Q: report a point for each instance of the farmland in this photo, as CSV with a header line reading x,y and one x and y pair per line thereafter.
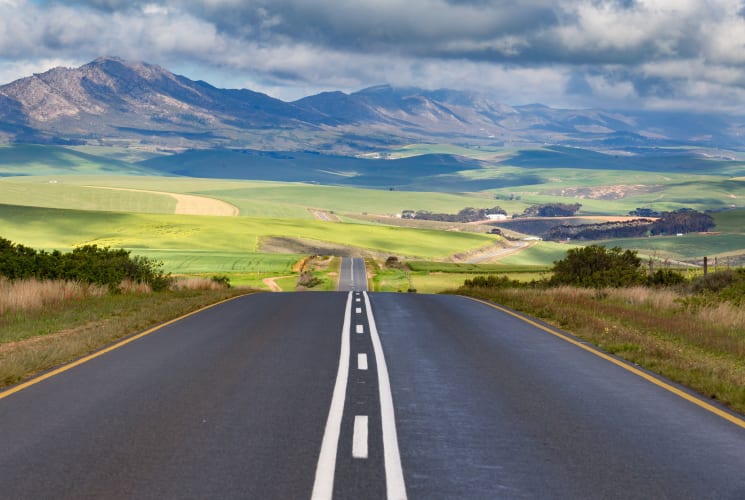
x,y
54,228
55,197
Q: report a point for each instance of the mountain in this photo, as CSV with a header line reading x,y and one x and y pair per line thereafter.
x,y
113,101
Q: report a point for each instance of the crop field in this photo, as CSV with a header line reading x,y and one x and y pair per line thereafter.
x,y
253,198
228,263
727,238
64,229
29,159
543,254
482,153
292,200
425,280
457,267
689,246
53,177
611,192
730,221
51,193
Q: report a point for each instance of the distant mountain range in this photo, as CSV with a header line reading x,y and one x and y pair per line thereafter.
x,y
115,102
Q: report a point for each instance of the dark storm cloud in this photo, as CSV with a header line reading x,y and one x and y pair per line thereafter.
x,y
501,31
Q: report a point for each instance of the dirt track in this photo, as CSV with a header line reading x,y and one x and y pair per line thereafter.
x,y
187,204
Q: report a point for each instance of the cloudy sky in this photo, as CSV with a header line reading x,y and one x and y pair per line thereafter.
x,y
569,53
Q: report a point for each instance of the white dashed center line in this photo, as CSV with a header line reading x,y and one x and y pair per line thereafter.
x,y
360,328
359,440
362,361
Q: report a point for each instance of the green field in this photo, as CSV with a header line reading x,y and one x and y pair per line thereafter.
x,y
253,198
54,193
228,263
544,253
685,247
56,178
27,159
457,267
65,229
727,239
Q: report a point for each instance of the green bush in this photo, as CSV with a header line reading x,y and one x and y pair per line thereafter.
x,y
222,280
728,285
490,281
666,277
88,263
596,266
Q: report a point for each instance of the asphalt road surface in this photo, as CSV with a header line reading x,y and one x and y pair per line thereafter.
x,y
352,275
356,395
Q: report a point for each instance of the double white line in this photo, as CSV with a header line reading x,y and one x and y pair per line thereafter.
x,y
323,487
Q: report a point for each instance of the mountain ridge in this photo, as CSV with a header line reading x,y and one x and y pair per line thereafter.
x,y
114,101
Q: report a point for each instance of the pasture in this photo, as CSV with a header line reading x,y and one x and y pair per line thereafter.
x,y
253,198
51,177
727,239
64,229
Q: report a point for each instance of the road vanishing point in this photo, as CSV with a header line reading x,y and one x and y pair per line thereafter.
x,y
357,395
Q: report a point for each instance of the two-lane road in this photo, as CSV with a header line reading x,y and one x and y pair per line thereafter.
x,y
352,275
360,395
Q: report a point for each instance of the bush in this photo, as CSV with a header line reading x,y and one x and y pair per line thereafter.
x,y
596,266
490,281
221,280
308,280
713,282
666,277
87,264
392,262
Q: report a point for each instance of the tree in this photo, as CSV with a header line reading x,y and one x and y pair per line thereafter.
x,y
552,210
596,266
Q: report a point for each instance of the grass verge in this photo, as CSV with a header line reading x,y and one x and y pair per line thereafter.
x,y
700,347
33,342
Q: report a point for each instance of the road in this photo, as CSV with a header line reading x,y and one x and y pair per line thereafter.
x,y
359,395
352,275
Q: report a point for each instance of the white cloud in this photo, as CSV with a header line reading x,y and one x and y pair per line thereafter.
x,y
616,52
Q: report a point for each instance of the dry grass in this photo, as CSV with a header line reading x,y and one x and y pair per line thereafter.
x,y
701,347
197,283
25,295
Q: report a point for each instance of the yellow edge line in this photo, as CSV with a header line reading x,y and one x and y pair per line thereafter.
x,y
85,359
664,385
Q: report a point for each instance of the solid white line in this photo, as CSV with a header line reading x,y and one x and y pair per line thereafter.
x,y
351,271
394,475
323,487
359,439
362,361
360,328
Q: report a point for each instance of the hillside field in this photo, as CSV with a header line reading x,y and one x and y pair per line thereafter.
x,y
69,183
64,229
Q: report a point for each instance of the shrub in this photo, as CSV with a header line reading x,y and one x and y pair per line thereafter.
x,y
666,277
308,280
201,283
88,264
392,262
596,266
719,286
221,280
490,281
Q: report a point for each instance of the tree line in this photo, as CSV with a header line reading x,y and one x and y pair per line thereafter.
x,y
468,214
669,223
